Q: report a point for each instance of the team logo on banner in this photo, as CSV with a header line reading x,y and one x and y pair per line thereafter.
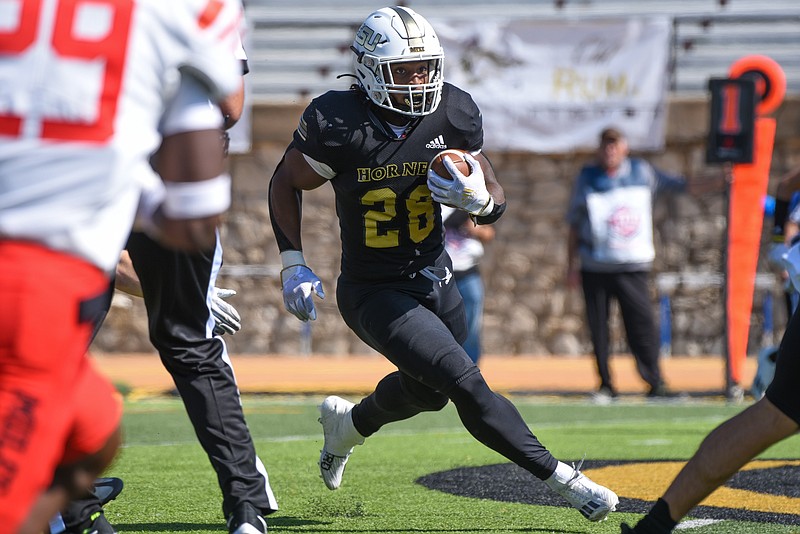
x,y
552,86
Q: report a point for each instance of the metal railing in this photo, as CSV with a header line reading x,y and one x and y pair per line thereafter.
x,y
667,284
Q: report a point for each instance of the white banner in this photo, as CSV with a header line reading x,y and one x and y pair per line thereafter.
x,y
240,133
552,86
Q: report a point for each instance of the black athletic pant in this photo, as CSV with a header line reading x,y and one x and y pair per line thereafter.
x,y
419,324
633,295
784,390
177,291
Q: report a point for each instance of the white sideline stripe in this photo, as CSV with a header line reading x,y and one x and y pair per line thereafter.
x,y
696,523
194,440
385,433
651,442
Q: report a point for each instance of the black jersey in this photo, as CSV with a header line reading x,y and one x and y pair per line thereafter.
x,y
389,224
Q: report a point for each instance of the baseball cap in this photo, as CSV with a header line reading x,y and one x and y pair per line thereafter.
x,y
611,134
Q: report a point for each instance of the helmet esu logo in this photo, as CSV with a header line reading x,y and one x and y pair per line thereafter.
x,y
368,38
388,38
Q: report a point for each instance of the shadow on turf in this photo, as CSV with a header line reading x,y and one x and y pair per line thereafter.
x,y
511,483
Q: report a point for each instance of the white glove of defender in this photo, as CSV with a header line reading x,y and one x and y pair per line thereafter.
x,y
226,318
298,283
468,193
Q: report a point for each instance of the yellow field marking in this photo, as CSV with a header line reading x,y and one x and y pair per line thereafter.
x,y
647,481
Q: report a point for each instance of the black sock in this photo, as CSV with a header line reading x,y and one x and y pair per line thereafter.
x,y
657,520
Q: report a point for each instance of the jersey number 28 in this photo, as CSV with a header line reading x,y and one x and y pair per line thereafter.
x,y
384,204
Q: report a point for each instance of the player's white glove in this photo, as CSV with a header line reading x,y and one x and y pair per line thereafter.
x,y
468,193
226,318
298,284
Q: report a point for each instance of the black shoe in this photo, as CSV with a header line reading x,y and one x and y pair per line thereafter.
x,y
85,516
245,519
661,391
626,529
107,489
98,524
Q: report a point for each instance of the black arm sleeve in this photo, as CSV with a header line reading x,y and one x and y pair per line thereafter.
x,y
495,214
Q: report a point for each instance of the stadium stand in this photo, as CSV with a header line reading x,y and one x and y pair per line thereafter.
x,y
297,49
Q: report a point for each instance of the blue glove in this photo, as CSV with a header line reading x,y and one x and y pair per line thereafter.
x,y
298,284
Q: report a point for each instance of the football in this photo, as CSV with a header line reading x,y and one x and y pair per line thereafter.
x,y
457,157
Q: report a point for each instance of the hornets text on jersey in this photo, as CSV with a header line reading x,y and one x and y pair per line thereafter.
x,y
390,226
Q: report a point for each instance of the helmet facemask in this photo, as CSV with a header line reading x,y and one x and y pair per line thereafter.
x,y
391,36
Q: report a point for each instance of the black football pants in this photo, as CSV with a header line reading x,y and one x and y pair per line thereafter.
x,y
176,288
784,390
418,325
633,295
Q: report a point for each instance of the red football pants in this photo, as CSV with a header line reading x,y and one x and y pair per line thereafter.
x,y
54,406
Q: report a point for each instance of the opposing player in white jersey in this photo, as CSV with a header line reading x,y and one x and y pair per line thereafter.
x,y
195,354
85,88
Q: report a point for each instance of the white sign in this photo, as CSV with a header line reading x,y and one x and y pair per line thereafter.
x,y
552,86
240,133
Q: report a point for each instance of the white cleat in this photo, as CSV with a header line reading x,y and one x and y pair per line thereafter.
x,y
251,529
340,438
592,500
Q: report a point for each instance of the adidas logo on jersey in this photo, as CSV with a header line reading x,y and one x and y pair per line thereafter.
x,y
437,143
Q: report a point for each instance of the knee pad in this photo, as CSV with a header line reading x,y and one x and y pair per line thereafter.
x,y
426,399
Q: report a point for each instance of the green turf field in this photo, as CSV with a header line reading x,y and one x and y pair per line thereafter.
x,y
170,486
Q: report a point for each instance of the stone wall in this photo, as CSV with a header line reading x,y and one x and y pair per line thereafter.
x,y
528,308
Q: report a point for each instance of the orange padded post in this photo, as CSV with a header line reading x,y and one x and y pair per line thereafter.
x,y
746,212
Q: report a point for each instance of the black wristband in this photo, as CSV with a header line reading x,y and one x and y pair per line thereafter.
x,y
779,219
492,216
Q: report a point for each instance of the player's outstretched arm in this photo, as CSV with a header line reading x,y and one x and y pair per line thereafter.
x,y
293,176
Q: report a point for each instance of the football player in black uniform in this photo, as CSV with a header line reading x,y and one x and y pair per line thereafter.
x,y
373,144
